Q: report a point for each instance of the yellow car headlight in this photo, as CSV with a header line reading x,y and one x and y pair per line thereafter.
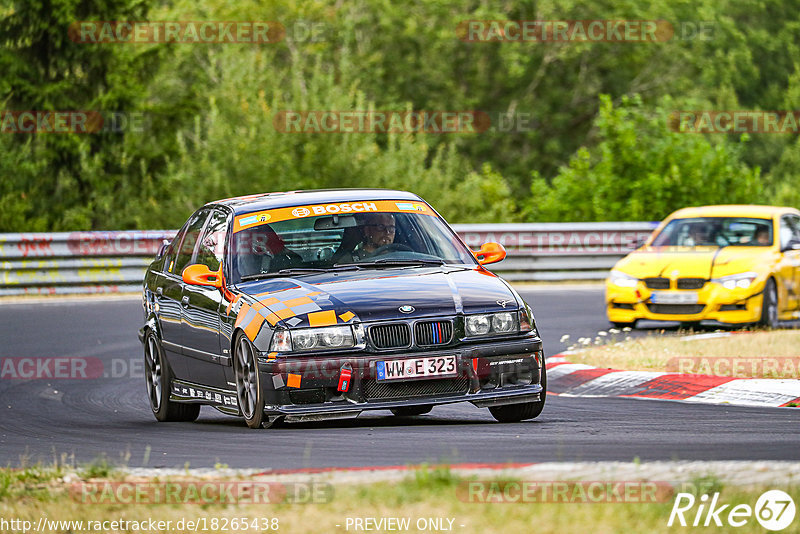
x,y
620,279
733,281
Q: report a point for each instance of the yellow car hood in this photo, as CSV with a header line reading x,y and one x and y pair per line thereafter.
x,y
686,262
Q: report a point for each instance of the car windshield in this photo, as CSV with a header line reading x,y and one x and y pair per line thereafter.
x,y
299,242
715,232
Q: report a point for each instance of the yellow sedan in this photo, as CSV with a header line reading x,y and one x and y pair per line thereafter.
x,y
730,264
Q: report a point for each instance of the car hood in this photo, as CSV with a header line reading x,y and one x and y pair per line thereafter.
x,y
378,294
699,262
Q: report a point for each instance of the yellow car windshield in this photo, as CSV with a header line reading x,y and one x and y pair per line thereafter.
x,y
716,232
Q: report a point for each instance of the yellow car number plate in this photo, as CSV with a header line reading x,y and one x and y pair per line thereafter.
x,y
665,297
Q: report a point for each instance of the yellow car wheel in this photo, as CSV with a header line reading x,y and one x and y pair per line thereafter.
x,y
769,307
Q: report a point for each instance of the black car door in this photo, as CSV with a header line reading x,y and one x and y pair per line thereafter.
x,y
170,305
200,318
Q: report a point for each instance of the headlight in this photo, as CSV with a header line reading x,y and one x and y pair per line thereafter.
x,y
741,280
492,324
621,279
336,337
503,322
303,339
478,325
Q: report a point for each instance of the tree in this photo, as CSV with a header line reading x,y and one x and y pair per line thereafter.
x,y
641,170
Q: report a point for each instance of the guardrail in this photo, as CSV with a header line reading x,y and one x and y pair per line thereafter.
x,y
114,262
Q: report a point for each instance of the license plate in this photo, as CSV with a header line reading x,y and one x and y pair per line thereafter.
x,y
416,368
684,297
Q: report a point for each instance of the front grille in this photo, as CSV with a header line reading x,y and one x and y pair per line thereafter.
x,y
374,390
390,336
676,309
433,332
691,283
657,283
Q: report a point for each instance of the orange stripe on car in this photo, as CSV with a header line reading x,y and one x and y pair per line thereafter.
x,y
285,313
322,318
242,312
252,329
299,301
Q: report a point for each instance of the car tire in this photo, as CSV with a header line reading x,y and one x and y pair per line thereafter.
x,y
769,307
248,383
620,324
409,411
513,413
158,378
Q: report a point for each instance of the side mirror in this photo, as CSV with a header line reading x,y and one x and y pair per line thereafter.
x,y
490,253
201,275
791,245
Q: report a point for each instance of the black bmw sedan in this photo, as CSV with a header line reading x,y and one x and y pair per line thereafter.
x,y
322,304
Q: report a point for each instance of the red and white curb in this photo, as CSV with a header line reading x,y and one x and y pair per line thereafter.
x,y
579,380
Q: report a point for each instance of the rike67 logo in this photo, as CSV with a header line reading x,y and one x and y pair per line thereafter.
x,y
774,510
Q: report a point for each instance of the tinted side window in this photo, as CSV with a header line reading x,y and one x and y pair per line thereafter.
x,y
169,254
189,241
212,245
788,231
794,222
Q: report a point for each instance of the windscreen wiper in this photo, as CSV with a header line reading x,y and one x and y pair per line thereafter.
x,y
386,262
299,270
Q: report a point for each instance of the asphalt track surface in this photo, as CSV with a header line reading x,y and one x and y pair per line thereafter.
x,y
82,420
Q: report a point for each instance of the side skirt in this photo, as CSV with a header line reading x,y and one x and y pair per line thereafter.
x,y
223,400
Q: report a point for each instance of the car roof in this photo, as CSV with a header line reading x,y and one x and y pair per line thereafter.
x,y
266,201
733,210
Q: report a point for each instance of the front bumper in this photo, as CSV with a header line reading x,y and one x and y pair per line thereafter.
x,y
714,302
487,374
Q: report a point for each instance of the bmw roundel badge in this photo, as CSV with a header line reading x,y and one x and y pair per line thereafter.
x,y
406,308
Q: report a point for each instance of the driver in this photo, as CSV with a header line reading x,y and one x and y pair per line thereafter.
x,y
699,234
377,231
762,236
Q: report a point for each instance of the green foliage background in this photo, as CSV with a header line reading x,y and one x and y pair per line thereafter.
x,y
599,148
